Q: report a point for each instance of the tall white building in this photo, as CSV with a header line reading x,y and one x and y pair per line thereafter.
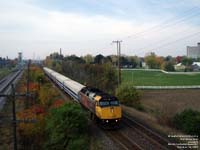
x,y
20,57
193,51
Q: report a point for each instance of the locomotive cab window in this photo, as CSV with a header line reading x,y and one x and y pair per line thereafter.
x,y
114,103
104,103
108,103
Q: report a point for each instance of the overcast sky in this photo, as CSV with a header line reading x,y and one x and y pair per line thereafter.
x,y
40,27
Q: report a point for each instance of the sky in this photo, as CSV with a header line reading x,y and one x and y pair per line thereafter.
x,y
40,27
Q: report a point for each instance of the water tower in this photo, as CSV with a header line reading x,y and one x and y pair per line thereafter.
x,y
20,58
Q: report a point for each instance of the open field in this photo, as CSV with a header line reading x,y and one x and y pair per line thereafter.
x,y
169,102
157,78
161,105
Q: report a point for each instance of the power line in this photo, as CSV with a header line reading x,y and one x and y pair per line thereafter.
x,y
191,35
165,24
172,42
168,23
189,14
169,37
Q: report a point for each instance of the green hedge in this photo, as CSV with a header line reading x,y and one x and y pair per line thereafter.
x,y
188,121
128,95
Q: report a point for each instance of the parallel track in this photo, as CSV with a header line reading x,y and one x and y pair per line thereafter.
x,y
123,140
152,137
135,136
5,83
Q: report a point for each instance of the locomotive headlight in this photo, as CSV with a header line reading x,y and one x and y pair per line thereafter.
x,y
107,121
116,120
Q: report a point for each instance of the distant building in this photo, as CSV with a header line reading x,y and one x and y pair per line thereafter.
x,y
144,65
196,66
20,57
193,51
179,67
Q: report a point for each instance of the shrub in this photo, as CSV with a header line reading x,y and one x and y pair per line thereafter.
x,y
47,94
188,121
78,143
128,95
168,66
66,127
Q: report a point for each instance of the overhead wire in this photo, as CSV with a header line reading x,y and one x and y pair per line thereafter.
x,y
167,23
189,14
166,38
171,24
170,43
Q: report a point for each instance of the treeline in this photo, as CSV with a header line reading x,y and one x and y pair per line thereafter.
x,y
98,72
151,61
7,63
125,61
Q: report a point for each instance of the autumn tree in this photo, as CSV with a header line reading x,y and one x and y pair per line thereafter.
x,y
102,76
178,59
31,130
153,61
66,128
46,95
88,58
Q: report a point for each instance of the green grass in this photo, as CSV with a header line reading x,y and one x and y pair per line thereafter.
x,y
157,78
4,72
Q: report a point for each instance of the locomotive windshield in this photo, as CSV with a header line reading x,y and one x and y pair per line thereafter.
x,y
114,103
104,103
108,103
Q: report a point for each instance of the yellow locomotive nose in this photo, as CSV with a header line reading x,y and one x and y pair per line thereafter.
x,y
113,112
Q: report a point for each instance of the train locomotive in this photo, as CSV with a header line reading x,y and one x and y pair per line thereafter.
x,y
105,109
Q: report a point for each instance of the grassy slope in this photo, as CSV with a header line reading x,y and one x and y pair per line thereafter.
x,y
156,78
3,72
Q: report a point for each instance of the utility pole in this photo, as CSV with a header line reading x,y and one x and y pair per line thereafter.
x,y
14,118
61,59
27,85
118,54
12,97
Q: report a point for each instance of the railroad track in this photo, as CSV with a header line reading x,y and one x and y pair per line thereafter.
x,y
5,83
123,140
133,135
2,80
146,138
